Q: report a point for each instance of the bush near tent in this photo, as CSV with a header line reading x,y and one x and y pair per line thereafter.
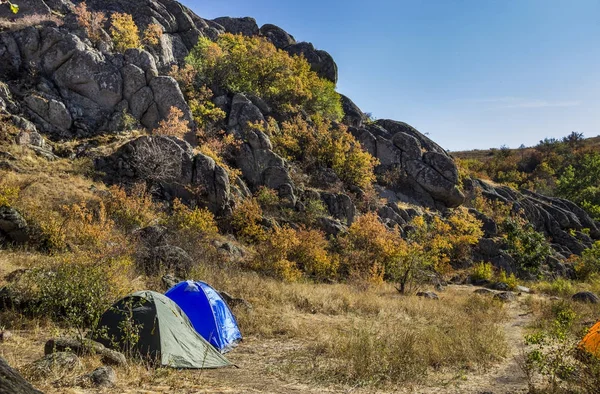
x,y
208,313
149,324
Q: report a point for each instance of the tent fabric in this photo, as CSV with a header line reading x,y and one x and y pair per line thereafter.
x,y
165,332
208,312
591,342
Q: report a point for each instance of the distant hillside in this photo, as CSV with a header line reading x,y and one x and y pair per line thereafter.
x,y
567,168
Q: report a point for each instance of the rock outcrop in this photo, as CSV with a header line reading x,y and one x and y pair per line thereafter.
x,y
12,382
559,220
425,174
170,165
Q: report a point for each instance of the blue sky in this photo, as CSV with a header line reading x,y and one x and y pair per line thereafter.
x,y
471,74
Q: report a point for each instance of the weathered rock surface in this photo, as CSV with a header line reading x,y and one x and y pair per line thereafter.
x,y
11,382
100,377
558,219
246,26
426,175
53,363
260,166
13,226
586,297
277,36
320,61
169,164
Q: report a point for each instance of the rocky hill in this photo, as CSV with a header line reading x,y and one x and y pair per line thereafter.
x,y
59,84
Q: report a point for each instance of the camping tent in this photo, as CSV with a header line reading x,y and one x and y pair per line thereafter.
x,y
208,312
164,331
591,342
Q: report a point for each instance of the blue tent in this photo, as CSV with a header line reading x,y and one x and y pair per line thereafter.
x,y
208,313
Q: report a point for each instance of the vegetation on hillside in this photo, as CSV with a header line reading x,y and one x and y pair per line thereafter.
x,y
567,168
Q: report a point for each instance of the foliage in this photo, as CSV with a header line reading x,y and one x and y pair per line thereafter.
x,y
509,280
272,255
246,220
267,198
131,210
124,32
152,34
174,125
311,255
254,65
580,182
567,167
552,350
589,263
74,292
323,144
91,21
482,271
8,195
199,221
529,248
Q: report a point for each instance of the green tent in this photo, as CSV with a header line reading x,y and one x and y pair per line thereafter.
x,y
153,326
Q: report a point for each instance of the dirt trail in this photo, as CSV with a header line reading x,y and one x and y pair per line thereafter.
x,y
506,377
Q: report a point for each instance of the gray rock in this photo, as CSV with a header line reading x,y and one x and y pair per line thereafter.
x,y
112,357
523,289
353,116
435,184
321,62
168,258
214,183
13,226
73,345
101,377
277,36
507,296
586,297
152,236
5,336
167,94
246,26
501,286
51,363
428,294
234,302
443,165
484,292
340,206
331,226
409,145
13,382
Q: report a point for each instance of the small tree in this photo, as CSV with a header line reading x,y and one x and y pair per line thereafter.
x,y
92,22
174,125
124,32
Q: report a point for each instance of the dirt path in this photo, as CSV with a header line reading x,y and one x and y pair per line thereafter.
x,y
504,378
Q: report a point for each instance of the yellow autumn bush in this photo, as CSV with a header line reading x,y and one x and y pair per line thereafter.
x,y
198,221
254,65
124,32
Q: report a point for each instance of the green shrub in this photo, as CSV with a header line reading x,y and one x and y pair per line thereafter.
x,y
529,248
589,263
254,65
482,271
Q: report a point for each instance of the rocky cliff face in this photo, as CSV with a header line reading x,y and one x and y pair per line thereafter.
x,y
55,81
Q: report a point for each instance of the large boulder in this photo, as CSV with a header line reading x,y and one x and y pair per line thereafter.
x,y
277,36
320,61
11,382
246,26
13,226
169,164
260,166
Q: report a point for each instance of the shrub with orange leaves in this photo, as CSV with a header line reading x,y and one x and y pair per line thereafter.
x,y
152,34
91,21
174,125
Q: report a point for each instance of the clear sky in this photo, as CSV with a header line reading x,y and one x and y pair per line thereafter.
x,y
471,74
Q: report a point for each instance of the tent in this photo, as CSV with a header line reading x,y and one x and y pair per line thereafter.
x,y
208,312
591,342
163,331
